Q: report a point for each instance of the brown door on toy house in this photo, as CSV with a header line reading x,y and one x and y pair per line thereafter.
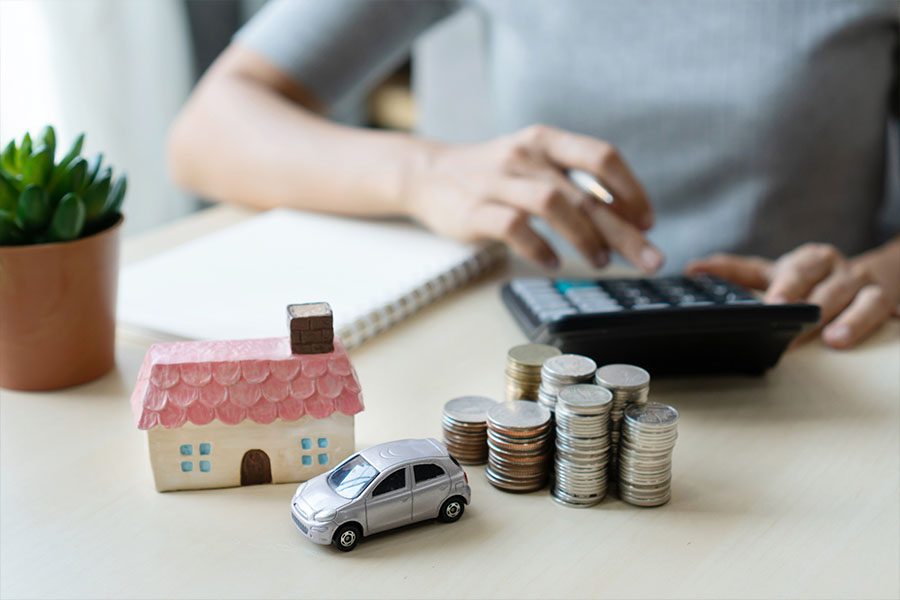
x,y
255,468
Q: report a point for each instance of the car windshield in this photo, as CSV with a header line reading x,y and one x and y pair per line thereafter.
x,y
352,477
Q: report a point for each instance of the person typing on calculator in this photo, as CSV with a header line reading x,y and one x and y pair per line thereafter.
x,y
757,134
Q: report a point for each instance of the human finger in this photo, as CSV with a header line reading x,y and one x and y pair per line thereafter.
x,y
833,295
749,271
544,199
626,239
510,225
870,309
568,150
577,198
796,273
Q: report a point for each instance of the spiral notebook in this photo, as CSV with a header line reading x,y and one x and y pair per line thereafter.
x,y
235,283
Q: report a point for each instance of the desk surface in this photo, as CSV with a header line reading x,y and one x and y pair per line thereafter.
x,y
787,485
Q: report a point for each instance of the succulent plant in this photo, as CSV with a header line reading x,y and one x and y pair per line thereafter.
x,y
42,200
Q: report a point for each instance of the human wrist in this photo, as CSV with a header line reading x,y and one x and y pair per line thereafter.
x,y
418,158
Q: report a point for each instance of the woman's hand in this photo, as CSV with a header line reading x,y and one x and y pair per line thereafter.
x,y
491,189
856,296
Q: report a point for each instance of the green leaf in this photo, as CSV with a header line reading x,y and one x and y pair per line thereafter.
x,y
37,167
94,168
8,157
33,210
24,151
68,220
14,181
71,178
95,197
48,135
10,234
9,195
116,197
73,152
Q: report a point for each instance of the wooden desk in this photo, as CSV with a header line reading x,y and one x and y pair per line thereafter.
x,y
788,485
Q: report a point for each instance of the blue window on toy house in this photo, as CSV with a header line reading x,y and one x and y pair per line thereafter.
x,y
187,466
307,444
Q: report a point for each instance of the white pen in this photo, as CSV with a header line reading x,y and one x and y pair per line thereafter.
x,y
591,185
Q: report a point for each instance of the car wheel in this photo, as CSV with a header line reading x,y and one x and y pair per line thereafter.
x,y
452,509
346,537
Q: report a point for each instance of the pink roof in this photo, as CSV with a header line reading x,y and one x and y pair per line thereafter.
x,y
231,381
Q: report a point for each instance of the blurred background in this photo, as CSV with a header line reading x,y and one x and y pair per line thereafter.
x,y
119,70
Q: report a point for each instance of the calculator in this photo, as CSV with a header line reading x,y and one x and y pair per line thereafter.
x,y
668,325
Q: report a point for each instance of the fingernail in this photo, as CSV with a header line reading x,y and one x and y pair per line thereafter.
x,y
601,259
839,334
651,259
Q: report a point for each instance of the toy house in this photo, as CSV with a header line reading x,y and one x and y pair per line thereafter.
x,y
244,412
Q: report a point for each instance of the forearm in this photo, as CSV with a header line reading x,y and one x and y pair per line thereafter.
x,y
239,141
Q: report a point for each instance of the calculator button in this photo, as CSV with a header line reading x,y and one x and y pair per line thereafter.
x,y
524,286
594,310
597,306
738,295
541,295
651,305
564,285
734,301
586,295
539,308
696,303
554,315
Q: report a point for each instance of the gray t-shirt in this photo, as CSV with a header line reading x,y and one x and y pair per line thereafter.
x,y
755,125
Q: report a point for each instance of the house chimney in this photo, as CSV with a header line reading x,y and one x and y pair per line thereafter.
x,y
312,328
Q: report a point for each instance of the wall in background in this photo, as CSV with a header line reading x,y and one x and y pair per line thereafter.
x,y
118,71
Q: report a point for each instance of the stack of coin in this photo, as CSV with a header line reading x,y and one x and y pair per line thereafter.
x,y
629,385
523,370
560,371
645,454
519,446
582,444
465,428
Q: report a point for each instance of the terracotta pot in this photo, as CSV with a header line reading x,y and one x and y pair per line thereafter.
x,y
58,311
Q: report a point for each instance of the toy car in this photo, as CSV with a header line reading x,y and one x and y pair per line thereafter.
x,y
387,486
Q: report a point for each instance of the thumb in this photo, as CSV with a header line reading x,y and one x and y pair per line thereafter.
x,y
749,271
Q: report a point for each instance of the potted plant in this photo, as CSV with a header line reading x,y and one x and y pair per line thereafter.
x,y
59,254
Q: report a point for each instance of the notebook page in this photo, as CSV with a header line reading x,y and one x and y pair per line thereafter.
x,y
235,283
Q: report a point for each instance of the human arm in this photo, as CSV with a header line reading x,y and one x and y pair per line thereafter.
x,y
251,134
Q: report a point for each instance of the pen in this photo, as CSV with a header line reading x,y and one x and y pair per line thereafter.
x,y
591,185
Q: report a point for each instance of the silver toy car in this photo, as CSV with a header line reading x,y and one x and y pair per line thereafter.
x,y
384,487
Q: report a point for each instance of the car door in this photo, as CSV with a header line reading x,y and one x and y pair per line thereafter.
x,y
389,504
431,486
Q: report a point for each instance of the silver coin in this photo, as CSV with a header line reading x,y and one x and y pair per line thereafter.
x,y
585,397
518,414
624,377
647,503
570,366
532,355
652,414
468,409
